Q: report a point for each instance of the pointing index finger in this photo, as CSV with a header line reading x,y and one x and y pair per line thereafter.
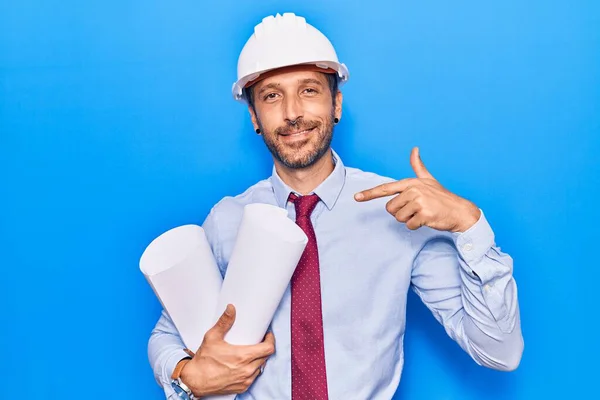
x,y
386,189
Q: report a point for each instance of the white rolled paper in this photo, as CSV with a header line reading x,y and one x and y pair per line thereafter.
x,y
266,252
180,267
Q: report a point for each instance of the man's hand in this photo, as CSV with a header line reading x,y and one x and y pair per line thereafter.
x,y
422,201
221,368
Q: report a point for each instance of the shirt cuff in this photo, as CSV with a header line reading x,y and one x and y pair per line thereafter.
x,y
474,243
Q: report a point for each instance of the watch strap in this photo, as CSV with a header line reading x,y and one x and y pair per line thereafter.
x,y
179,367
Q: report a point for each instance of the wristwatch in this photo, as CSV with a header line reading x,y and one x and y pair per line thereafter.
x,y
183,392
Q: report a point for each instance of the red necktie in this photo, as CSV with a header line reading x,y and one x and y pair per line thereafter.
x,y
309,378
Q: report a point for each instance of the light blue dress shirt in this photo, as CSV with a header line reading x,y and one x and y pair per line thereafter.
x,y
368,262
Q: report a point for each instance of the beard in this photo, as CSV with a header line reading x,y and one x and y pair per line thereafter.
x,y
304,153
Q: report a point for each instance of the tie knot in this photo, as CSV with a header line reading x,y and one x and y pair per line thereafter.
x,y
304,204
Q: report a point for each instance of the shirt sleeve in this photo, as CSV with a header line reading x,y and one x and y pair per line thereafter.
x,y
165,346
467,283
165,350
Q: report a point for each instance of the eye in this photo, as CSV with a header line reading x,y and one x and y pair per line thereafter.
x,y
270,96
310,91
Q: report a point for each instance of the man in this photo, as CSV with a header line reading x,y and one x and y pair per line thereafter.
x,y
340,325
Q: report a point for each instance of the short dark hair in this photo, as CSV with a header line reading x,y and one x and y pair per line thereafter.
x,y
332,81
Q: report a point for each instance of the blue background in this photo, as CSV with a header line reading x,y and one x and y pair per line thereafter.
x,y
117,123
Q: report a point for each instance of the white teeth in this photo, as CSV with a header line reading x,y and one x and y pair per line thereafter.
x,y
301,132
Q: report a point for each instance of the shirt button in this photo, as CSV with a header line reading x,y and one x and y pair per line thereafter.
x,y
468,247
486,288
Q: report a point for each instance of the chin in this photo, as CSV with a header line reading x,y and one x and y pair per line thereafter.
x,y
299,159
300,154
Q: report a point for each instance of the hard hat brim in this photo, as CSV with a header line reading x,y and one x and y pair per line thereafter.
x,y
290,68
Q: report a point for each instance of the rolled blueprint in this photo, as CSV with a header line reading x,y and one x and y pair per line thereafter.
x,y
266,252
180,267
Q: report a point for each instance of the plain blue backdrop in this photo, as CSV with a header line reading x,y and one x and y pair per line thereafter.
x,y
117,123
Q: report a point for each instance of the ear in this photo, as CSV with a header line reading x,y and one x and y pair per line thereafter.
x,y
338,105
253,117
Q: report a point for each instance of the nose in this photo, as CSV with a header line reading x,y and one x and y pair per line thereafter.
x,y
292,109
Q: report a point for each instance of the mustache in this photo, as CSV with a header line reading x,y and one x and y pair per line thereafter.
x,y
300,125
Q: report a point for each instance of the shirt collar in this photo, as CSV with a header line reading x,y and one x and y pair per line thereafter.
x,y
328,191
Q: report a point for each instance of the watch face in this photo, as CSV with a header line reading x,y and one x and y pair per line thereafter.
x,y
181,394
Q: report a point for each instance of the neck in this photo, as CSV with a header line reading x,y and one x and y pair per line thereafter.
x,y
305,180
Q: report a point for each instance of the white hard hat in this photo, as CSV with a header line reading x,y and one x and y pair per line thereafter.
x,y
282,41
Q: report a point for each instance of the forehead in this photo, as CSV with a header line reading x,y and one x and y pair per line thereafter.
x,y
292,78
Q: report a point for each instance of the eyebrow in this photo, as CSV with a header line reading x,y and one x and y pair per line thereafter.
x,y
268,86
311,80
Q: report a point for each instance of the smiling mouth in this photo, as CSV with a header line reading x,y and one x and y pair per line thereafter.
x,y
303,132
